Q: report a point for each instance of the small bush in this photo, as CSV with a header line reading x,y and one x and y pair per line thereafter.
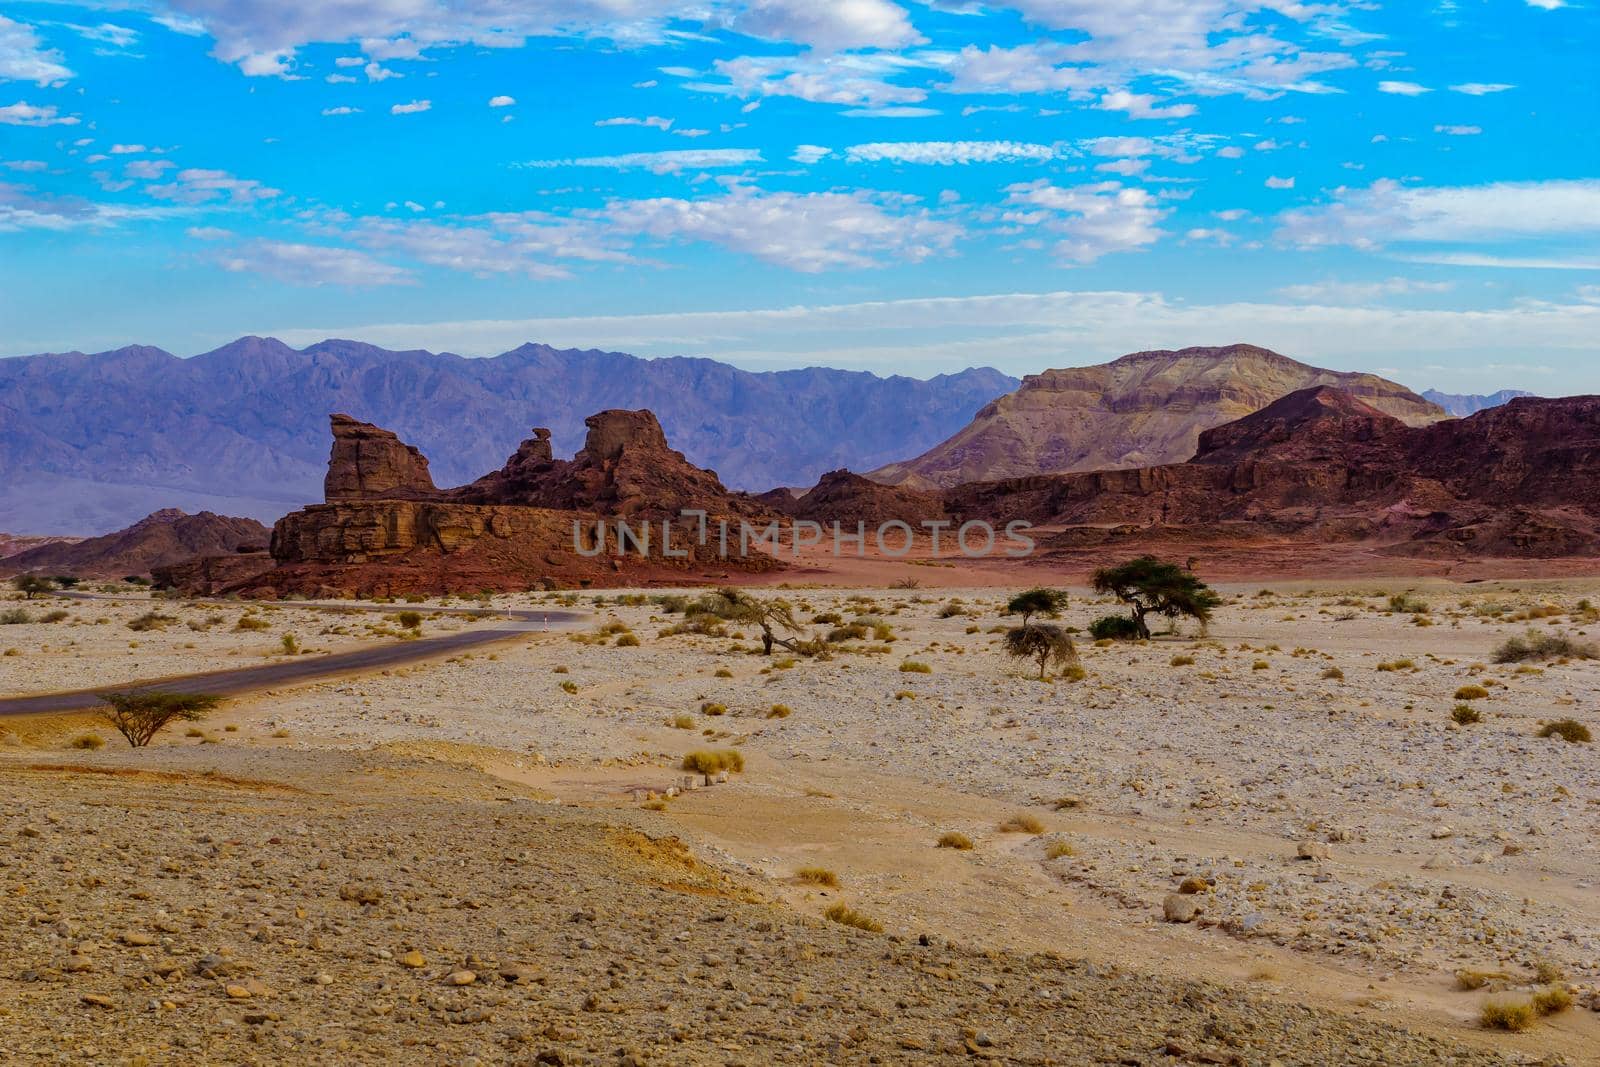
x,y
54,616
1466,715
959,842
89,741
911,666
1552,1001
1568,730
15,617
1260,665
1022,823
150,620
570,686
1471,692
411,620
1181,661
1059,849
711,761
1333,674
1537,646
779,711
1397,665
722,672
251,622
1114,628
291,644
627,641
711,707
1507,1015
817,876
682,722
847,916
1469,980
1406,604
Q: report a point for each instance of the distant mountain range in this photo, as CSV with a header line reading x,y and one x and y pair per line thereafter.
x,y
1463,404
91,443
1143,410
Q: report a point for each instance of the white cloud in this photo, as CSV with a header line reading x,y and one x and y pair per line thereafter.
x,y
147,169
1387,212
314,265
1280,183
808,154
1403,88
659,162
947,153
1547,5
24,58
1143,106
341,110
197,186
377,72
531,243
1342,293
854,79
23,113
1458,131
651,121
1125,167
502,101
1231,152
1481,88
807,232
832,25
128,149
1091,221
412,108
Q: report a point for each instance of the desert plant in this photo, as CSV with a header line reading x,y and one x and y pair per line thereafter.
x,y
959,842
141,714
411,620
627,641
1056,850
32,585
1181,661
15,617
711,707
1568,730
89,741
1044,642
1537,646
569,687
251,622
1114,628
779,711
1471,692
770,616
150,620
817,876
682,722
1406,604
1037,601
911,666
1152,586
1466,715
848,916
1552,1001
711,761
290,644
1333,674
1511,1015
1022,823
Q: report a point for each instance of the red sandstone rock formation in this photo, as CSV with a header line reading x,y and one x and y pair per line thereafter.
x,y
157,540
369,463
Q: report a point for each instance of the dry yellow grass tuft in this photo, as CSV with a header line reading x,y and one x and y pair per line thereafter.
x,y
817,876
1022,823
710,761
959,842
1514,1016
847,916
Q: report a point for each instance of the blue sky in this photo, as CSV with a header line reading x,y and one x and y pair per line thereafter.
x,y
892,185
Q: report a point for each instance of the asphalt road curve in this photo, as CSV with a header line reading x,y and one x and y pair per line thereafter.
x,y
296,670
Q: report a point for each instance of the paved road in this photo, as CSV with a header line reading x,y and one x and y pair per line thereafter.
x,y
301,669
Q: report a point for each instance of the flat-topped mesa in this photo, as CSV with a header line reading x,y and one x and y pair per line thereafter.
x,y
371,463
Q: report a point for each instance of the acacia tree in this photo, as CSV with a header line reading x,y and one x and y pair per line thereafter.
x,y
139,716
1037,601
1044,642
735,605
31,585
1152,586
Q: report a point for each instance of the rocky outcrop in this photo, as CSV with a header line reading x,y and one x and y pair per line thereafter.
x,y
369,463
848,499
1521,480
165,537
1145,409
538,522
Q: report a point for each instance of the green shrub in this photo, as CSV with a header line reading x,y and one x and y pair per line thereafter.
x,y
911,666
15,617
1568,730
1114,628
1466,715
711,761
411,620
1537,646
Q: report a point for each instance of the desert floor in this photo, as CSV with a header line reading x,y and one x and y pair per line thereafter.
x,y
505,809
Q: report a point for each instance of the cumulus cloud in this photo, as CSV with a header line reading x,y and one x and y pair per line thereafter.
x,y
1481,88
830,26
24,58
1280,183
859,80
341,110
808,154
199,186
1458,131
412,108
313,265
1332,292
806,232
23,113
1090,221
502,101
651,121
1402,88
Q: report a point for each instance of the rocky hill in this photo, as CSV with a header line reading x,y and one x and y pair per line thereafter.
x,y
157,540
91,442
1143,410
1326,466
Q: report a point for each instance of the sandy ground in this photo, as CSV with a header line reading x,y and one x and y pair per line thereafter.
x,y
78,644
1311,720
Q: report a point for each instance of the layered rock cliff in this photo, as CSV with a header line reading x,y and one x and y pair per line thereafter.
x,y
1143,410
165,537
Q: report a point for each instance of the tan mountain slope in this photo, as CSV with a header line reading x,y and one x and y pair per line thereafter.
x,y
1143,410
